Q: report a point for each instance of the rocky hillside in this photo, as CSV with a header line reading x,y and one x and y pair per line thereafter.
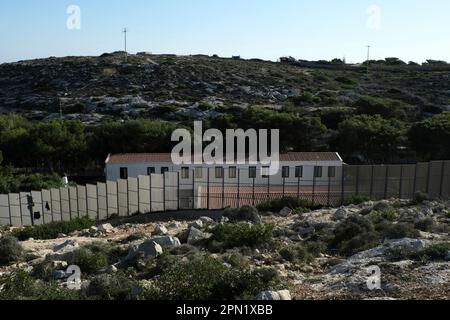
x,y
161,86
293,254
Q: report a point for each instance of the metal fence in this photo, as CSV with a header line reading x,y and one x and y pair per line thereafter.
x,y
169,191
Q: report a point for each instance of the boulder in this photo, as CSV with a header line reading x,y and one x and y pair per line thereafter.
x,y
285,212
306,232
206,220
64,251
196,236
147,249
105,228
198,224
166,241
340,214
161,230
282,295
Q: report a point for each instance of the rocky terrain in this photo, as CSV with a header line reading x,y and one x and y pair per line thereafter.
x,y
294,254
200,87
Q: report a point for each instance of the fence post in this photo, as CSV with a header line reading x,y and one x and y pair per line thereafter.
x,y
193,188
118,197
329,189
298,187
51,207
107,201
268,186
98,201
314,187
223,189
253,194
372,177
87,202
386,181
343,185
441,188
400,183
415,180
70,204
428,178
60,204
239,189
178,190
284,186
42,205
164,192
150,192
9,209
207,188
357,180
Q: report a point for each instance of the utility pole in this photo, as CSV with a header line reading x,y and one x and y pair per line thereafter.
x,y
125,36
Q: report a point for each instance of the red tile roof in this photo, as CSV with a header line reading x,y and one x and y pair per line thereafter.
x,y
166,157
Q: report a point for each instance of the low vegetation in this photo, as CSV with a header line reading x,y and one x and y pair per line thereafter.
x,y
10,250
53,229
276,205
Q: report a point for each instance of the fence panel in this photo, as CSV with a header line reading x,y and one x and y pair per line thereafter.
x,y
144,194
408,181
102,201
436,173
25,211
112,198
65,204
92,201
133,195
4,210
421,177
157,192
82,201
445,186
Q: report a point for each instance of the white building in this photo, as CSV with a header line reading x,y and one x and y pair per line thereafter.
x,y
296,167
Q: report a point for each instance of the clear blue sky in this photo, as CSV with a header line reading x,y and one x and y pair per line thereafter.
x,y
308,29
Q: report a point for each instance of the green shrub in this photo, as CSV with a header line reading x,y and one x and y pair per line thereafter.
x,y
353,235
276,205
110,287
385,215
420,197
51,230
89,262
10,250
400,230
245,213
425,225
243,234
436,252
356,199
288,254
20,285
303,253
205,278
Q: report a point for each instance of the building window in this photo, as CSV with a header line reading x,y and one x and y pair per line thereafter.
x,y
318,172
185,173
331,172
123,173
219,173
299,172
265,172
232,172
252,172
199,173
286,172
164,170
151,170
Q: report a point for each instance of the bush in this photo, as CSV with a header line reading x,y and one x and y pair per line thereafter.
x,y
10,250
110,287
242,234
245,213
276,205
426,225
353,235
53,229
19,285
89,262
356,199
420,197
400,231
205,278
436,252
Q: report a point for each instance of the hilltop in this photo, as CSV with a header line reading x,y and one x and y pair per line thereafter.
x,y
169,86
